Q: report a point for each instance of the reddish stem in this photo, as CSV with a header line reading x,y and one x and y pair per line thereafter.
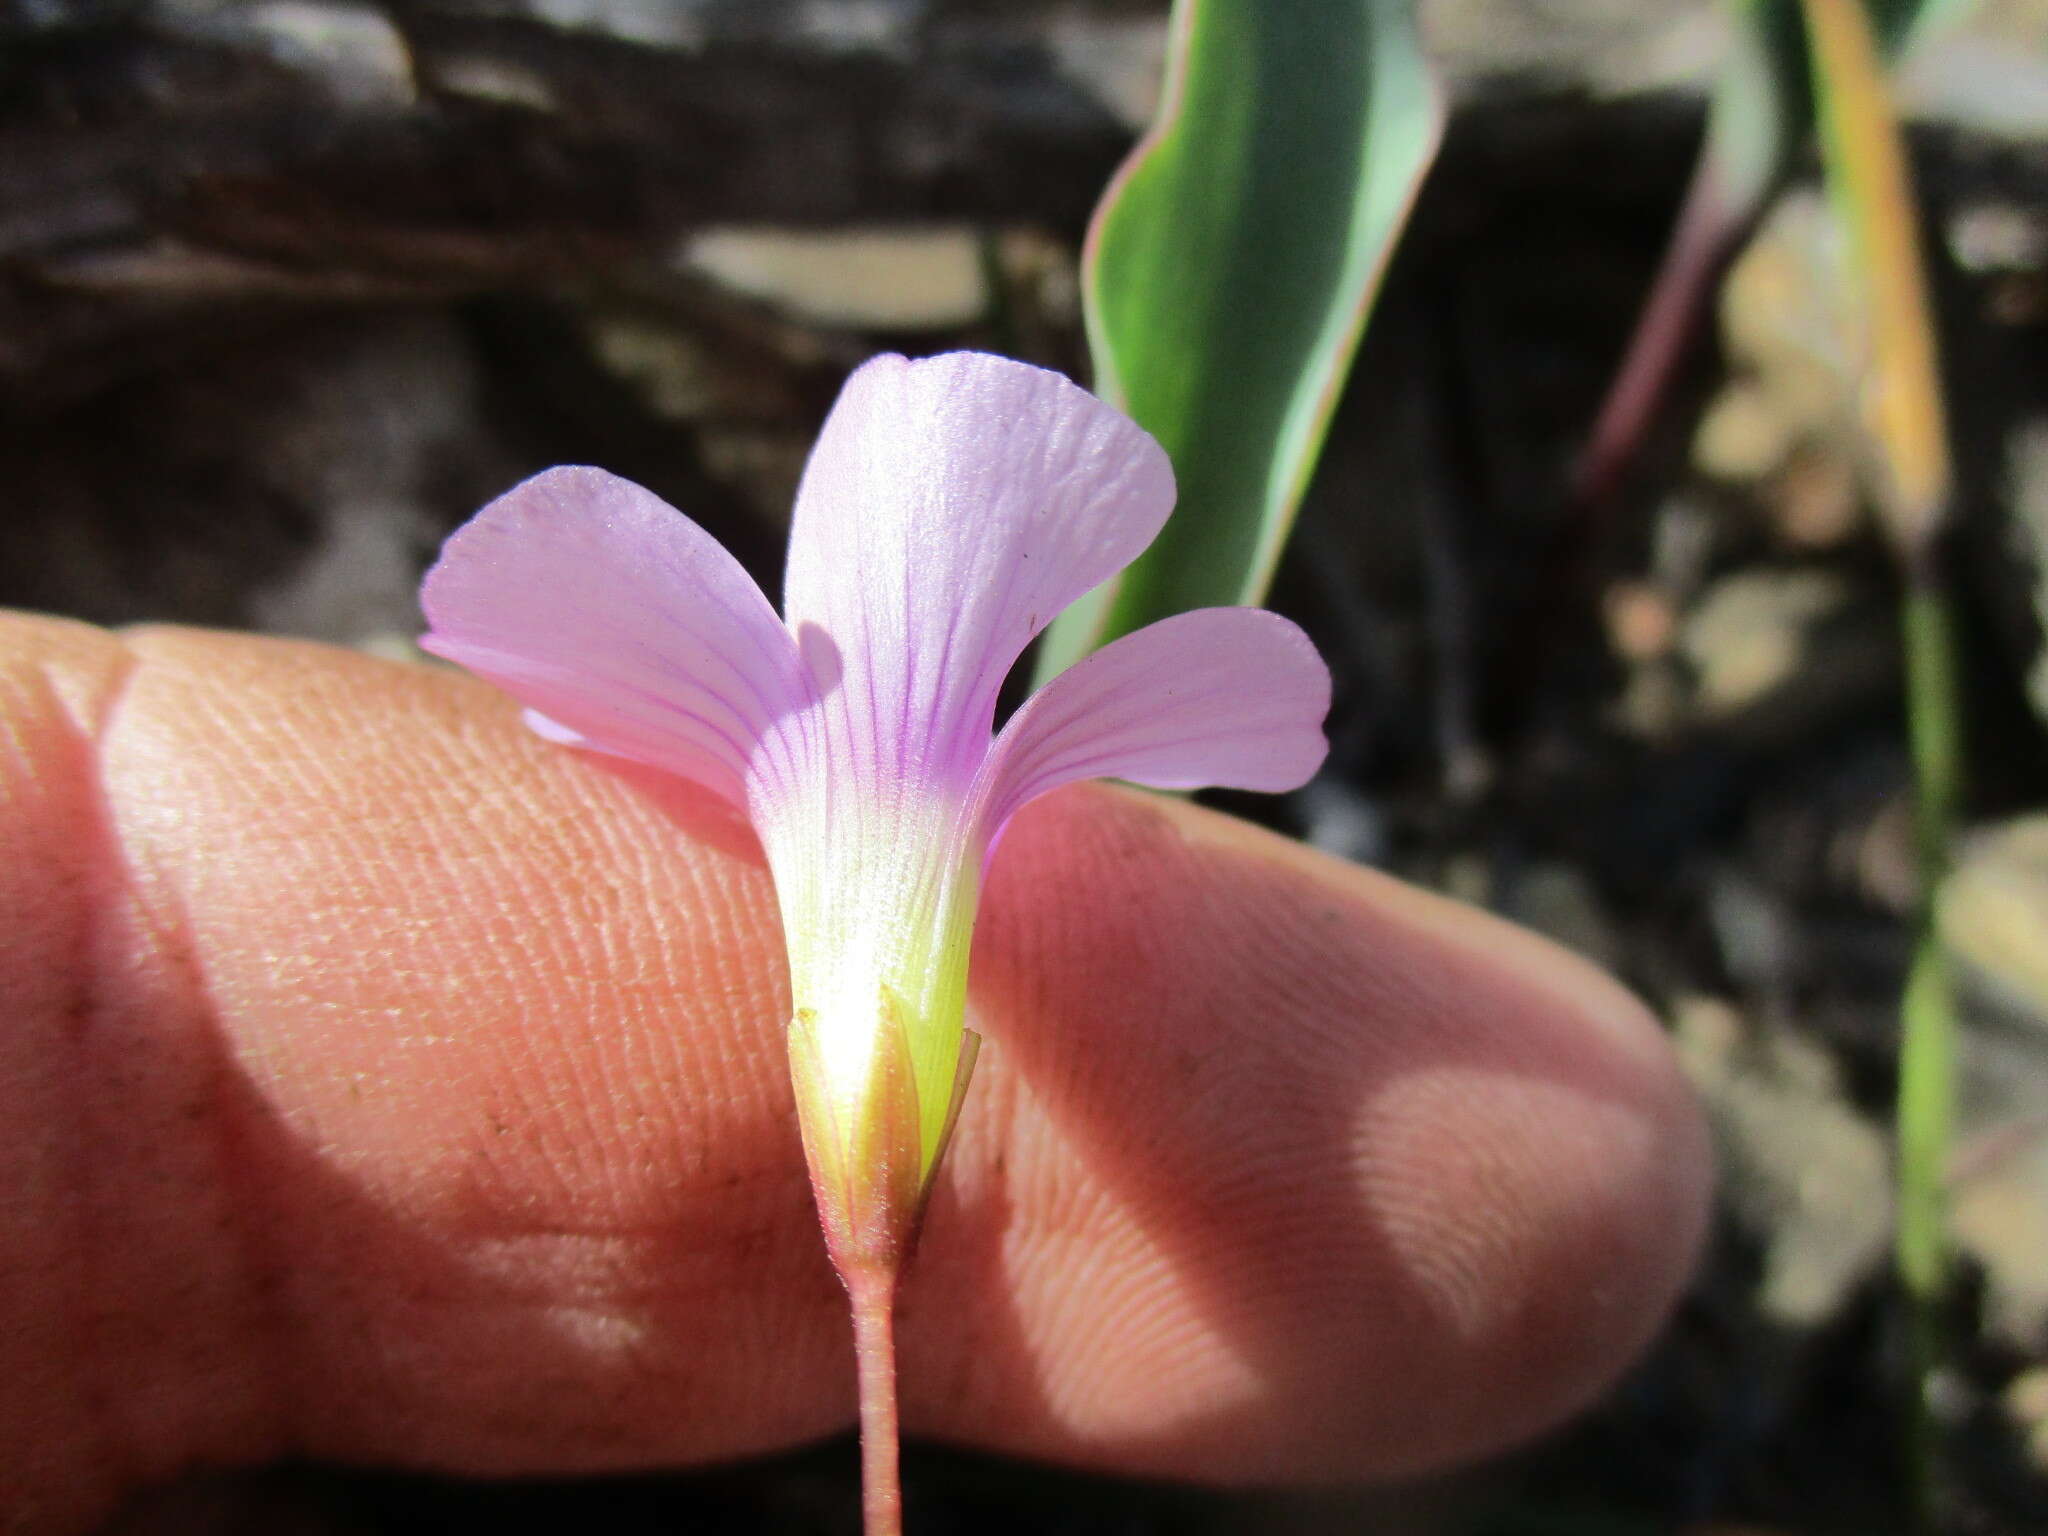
x,y
1704,243
874,1347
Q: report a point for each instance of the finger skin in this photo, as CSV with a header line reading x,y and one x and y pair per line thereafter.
x,y
380,1083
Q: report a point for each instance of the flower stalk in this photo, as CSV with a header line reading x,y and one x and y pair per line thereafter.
x,y
874,1352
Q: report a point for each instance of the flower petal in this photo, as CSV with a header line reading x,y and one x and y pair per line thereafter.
x,y
951,509
622,624
1231,697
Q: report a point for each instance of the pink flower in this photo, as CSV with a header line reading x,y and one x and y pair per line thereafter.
x,y
951,509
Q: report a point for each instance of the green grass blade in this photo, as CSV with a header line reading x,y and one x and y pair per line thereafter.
x,y
1229,271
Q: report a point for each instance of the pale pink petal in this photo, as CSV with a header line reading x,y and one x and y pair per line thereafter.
x,y
951,509
1226,697
619,622
554,730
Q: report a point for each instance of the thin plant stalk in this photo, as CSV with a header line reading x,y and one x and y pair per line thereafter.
x,y
874,1346
1758,116
1928,1028
1703,246
1904,422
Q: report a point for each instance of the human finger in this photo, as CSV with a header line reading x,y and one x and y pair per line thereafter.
x,y
386,1085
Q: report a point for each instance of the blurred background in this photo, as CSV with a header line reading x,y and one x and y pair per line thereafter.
x,y
287,289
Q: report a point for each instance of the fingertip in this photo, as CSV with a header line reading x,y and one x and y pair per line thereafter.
x,y
1529,1154
1366,1182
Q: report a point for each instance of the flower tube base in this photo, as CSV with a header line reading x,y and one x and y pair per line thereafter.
x,y
871,1193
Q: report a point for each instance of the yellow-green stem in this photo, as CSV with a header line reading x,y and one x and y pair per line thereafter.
x,y
1927,1041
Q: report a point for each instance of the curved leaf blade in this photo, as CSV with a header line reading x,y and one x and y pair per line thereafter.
x,y
1230,269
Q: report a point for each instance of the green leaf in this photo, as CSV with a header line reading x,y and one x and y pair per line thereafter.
x,y
1229,271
